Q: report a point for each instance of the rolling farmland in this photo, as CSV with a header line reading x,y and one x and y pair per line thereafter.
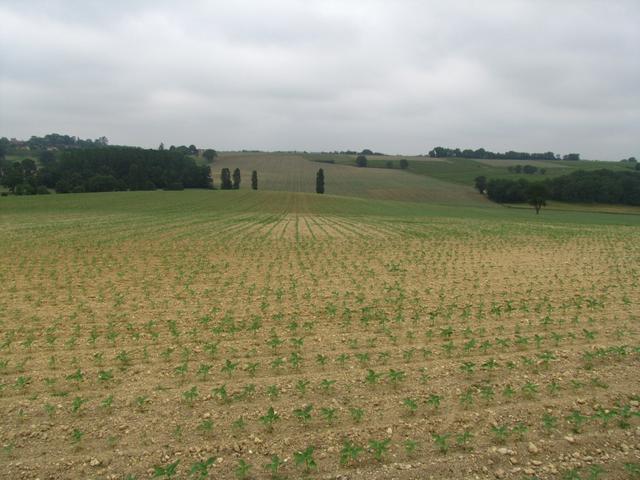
x,y
262,334
293,172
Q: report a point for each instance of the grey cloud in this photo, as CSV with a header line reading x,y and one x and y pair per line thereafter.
x,y
394,76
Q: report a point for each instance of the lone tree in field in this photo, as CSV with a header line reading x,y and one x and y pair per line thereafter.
x,y
481,183
225,179
537,194
236,179
209,155
320,181
361,161
254,180
404,164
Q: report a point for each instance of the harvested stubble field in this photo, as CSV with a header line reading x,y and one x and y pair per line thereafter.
x,y
259,335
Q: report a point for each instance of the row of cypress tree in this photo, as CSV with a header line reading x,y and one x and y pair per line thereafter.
x,y
229,181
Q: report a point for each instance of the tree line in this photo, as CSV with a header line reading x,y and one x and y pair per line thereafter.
x,y
104,170
56,141
526,169
361,161
596,186
481,153
208,154
51,140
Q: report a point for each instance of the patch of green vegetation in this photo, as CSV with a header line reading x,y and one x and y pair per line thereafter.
x,y
160,210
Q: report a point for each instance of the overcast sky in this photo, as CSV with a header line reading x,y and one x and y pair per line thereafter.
x,y
396,76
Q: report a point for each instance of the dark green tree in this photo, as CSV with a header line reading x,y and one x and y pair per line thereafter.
x,y
404,163
46,157
320,181
236,179
102,183
209,155
537,194
12,176
481,183
29,167
225,179
4,147
193,150
361,161
254,180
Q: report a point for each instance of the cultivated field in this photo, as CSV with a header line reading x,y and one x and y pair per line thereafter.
x,y
463,171
204,334
292,172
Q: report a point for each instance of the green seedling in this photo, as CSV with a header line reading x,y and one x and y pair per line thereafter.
x,y
328,414
633,469
434,400
372,377
549,422
77,404
529,390
468,368
466,398
576,419
395,377
411,405
190,395
520,430
350,452
200,470
305,457
252,369
327,385
487,392
463,439
274,466
221,393
239,423
508,392
301,386
356,414
379,448
410,446
229,367
76,436
168,472
141,402
242,469
442,442
269,419
500,432
303,414
206,426
273,391
203,371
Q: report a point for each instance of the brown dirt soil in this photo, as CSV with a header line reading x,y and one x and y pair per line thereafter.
x,y
117,338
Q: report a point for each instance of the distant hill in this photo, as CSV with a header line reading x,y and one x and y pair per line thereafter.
x,y
296,173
